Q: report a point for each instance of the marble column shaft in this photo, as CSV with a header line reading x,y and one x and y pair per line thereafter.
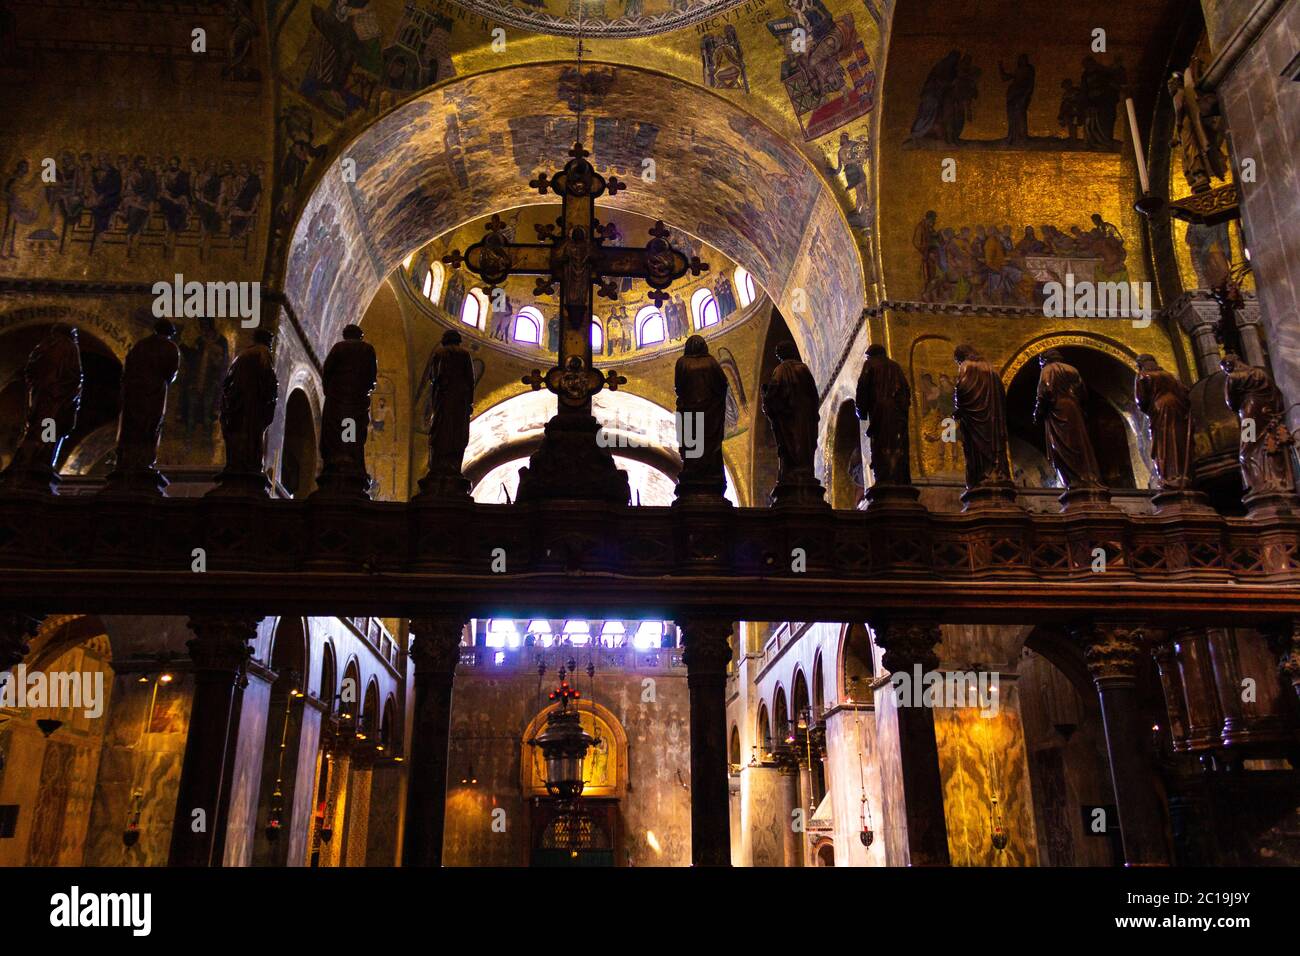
x,y
906,644
220,651
435,651
707,652
1114,653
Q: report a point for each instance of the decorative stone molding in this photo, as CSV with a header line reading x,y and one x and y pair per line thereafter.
x,y
908,643
435,644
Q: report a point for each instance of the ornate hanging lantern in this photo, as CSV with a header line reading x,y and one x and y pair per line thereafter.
x,y
564,745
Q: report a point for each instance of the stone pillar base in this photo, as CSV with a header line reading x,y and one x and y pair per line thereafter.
x,y
335,483
1270,504
241,484
990,496
1086,498
443,488
1174,501
799,491
34,479
142,482
882,496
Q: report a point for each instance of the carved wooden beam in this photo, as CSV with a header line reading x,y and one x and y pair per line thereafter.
x,y
186,555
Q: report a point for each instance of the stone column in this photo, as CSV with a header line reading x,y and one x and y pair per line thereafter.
x,y
220,651
707,652
435,650
1114,653
906,645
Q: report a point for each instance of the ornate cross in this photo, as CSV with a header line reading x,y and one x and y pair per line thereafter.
x,y
571,254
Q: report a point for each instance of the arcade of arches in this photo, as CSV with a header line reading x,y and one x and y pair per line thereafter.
x,y
357,681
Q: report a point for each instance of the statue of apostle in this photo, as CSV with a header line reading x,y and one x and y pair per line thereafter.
x,y
1167,404
452,397
1061,397
349,377
1265,440
790,403
53,379
979,405
701,419
883,401
248,396
147,374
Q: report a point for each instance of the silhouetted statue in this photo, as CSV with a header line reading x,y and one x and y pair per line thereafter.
x,y
790,403
53,379
1265,440
883,400
248,396
452,398
979,405
1167,404
349,377
148,372
1061,397
701,419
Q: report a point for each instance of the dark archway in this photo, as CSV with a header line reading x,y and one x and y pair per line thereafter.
x,y
89,446
277,820
848,480
298,457
856,664
1110,410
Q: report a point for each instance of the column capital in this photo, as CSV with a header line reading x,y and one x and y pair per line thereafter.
x,y
435,644
706,645
1114,650
221,642
906,643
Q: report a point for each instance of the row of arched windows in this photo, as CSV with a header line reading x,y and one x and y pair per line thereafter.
x,y
528,327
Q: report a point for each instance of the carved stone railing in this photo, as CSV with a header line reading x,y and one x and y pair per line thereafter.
x,y
94,554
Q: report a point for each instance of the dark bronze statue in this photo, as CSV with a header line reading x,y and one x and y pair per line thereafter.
x,y
1061,397
1167,404
148,372
883,401
979,405
452,394
248,396
701,420
350,373
790,403
53,379
1265,439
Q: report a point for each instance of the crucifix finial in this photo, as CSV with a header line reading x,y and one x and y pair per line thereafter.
x,y
613,380
541,182
578,152
535,378
614,185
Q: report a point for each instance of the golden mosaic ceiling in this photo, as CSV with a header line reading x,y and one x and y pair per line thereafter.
x,y
470,147
605,18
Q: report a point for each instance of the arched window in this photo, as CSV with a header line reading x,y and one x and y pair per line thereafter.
x,y
649,634
528,326
651,329
597,336
704,307
502,633
433,282
475,309
577,632
540,631
745,290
